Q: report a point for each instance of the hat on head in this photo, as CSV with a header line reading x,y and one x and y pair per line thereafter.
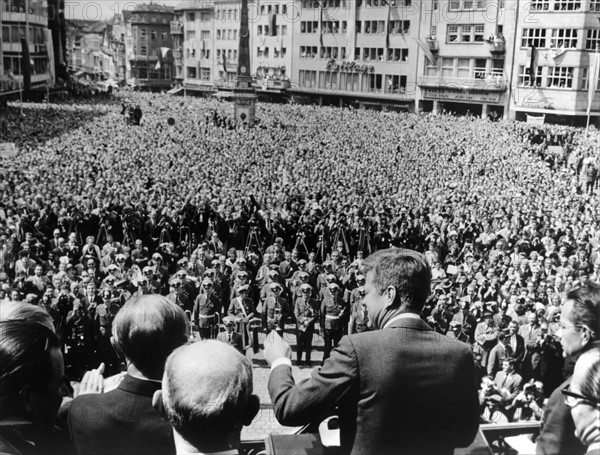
x,y
228,321
333,286
455,324
112,267
273,273
306,287
181,273
331,277
303,275
175,281
242,273
274,286
241,259
157,256
207,282
361,278
147,269
327,264
182,261
302,262
243,288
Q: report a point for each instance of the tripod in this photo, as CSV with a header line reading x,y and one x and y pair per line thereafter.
x,y
364,240
336,238
300,242
252,242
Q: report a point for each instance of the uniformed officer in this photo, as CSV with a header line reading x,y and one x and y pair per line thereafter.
x,y
332,314
242,311
230,336
79,345
207,308
105,315
305,311
178,296
358,315
275,310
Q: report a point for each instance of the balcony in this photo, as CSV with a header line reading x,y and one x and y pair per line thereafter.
x,y
176,28
497,46
491,83
434,45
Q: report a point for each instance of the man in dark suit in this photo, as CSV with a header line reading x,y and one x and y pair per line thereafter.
x,y
230,336
145,332
401,388
579,330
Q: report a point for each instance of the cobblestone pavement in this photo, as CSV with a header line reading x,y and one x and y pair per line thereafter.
x,y
265,422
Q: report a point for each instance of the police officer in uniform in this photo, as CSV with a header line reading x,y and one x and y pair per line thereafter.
x,y
305,311
79,343
358,315
230,336
332,316
206,309
242,311
276,309
105,315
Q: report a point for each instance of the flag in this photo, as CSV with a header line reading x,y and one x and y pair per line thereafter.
x,y
533,58
425,48
25,65
321,25
164,51
224,64
557,52
387,25
273,22
157,67
50,54
594,72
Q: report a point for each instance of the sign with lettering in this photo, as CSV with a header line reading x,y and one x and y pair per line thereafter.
x,y
460,95
333,65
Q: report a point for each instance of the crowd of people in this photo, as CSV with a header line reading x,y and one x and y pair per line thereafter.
x,y
253,228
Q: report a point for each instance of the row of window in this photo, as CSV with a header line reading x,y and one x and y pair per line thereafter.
x,y
564,5
367,54
12,64
394,84
556,77
542,38
204,73
204,17
280,30
227,34
308,4
470,4
465,33
467,68
263,52
366,27
164,36
13,33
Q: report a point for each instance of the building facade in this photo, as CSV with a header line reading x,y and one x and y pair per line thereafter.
x,y
555,41
149,46
26,51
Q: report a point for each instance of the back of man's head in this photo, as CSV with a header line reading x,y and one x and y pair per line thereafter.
x,y
147,330
585,310
404,269
207,395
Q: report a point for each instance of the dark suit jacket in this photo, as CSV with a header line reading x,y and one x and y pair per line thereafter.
x,y
514,384
557,434
121,421
405,389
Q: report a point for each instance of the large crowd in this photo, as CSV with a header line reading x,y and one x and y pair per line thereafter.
x,y
257,227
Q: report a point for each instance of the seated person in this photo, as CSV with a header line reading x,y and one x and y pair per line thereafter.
x,y
207,397
145,332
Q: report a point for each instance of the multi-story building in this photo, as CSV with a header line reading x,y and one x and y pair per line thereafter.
x,y
26,52
555,40
356,51
466,58
149,46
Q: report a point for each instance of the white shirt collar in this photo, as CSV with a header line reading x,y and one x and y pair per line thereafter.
x,y
401,316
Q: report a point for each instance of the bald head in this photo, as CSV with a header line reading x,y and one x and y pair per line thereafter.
x,y
207,393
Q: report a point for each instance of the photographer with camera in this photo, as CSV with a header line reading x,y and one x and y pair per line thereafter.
x,y
528,405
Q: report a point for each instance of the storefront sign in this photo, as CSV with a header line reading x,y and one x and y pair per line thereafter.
x,y
460,95
332,65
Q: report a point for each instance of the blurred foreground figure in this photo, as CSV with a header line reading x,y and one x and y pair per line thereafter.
x,y
145,332
31,373
582,396
401,388
207,397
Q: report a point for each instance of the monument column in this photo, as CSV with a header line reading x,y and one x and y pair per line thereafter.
x,y
244,96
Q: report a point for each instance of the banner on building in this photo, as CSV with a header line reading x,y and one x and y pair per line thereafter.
x,y
594,72
536,119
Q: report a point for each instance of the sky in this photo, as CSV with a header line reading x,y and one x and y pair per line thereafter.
x,y
101,10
